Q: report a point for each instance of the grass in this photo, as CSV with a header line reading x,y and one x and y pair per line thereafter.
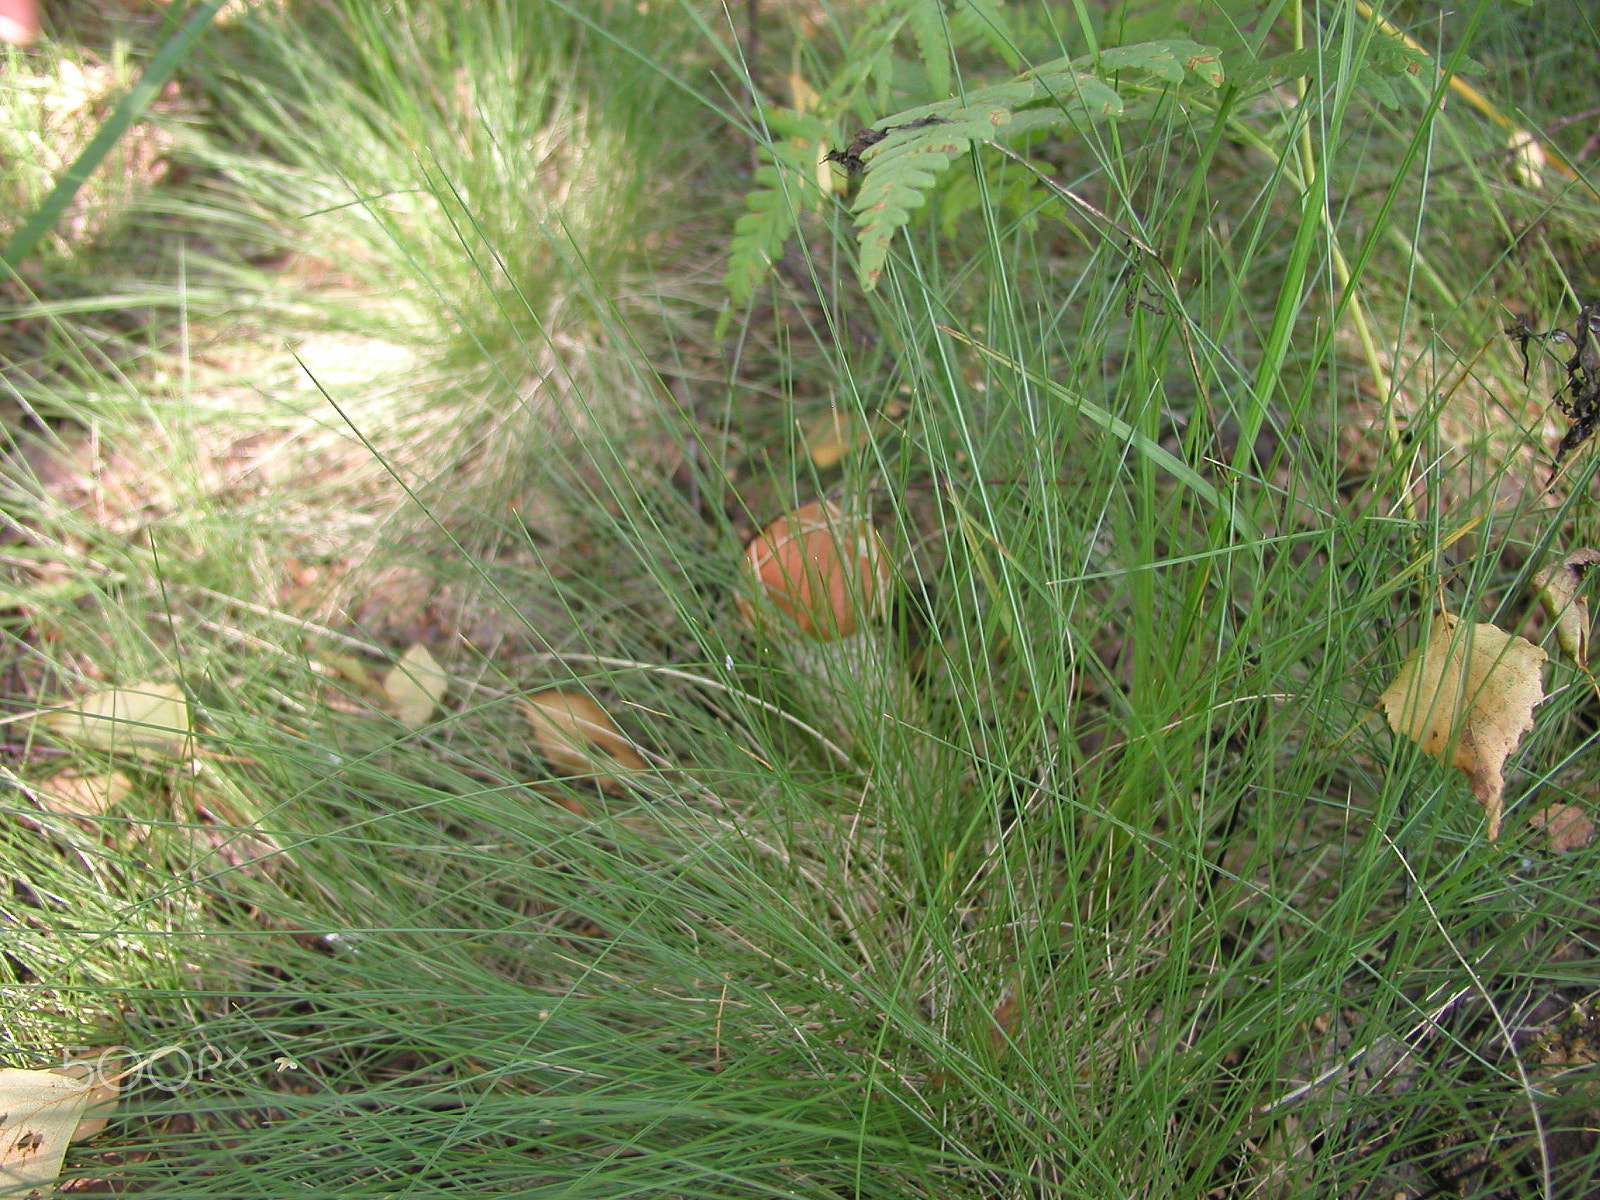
x,y
1131,894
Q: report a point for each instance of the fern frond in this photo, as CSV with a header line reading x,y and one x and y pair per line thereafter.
x,y
782,182
916,146
926,20
986,21
786,179
907,163
759,235
869,61
1167,60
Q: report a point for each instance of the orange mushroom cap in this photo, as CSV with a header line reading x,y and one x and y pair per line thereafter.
x,y
822,571
19,22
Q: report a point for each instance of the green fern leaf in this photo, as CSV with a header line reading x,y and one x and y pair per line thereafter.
x,y
903,166
1076,90
887,200
986,21
1166,60
868,63
759,235
1386,56
921,143
916,146
774,204
1378,63
1381,90
1251,75
926,19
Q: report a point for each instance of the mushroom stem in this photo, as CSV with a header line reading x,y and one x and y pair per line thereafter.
x,y
851,683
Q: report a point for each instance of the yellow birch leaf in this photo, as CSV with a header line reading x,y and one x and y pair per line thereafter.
x,y
803,97
350,668
577,735
39,1114
1557,586
1467,697
149,719
415,685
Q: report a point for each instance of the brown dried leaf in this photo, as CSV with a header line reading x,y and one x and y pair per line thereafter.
x,y
1557,586
1565,825
579,736
1467,697
1005,1016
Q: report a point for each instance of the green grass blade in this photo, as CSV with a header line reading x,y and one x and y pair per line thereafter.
x,y
128,110
1118,428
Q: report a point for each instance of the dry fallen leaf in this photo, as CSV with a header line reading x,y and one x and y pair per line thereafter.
x,y
1469,693
104,1091
40,1112
149,719
415,685
74,795
1565,825
351,669
577,735
833,435
1557,586
1528,159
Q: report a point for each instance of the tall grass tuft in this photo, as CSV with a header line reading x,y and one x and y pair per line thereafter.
x,y
1121,888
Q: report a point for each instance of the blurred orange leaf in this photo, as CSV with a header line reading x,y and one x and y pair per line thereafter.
x,y
833,435
579,736
1565,826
